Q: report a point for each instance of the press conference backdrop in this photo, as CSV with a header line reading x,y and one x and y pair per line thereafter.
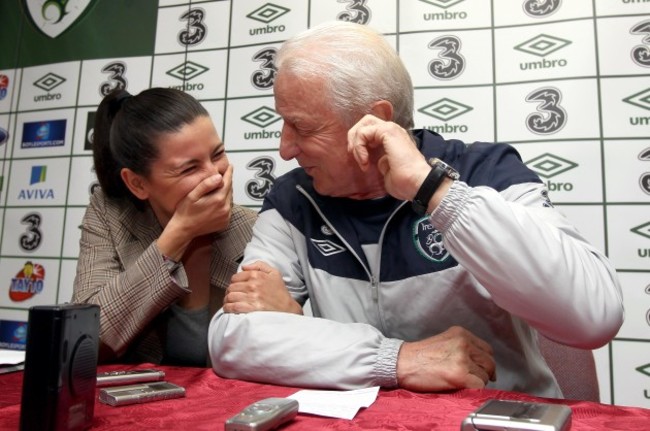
x,y
566,82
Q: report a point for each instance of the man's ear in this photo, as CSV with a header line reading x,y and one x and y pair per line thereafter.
x,y
135,183
382,109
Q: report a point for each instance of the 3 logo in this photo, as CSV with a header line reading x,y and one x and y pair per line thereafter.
x,y
550,116
356,11
261,184
644,180
116,79
31,239
450,62
541,8
641,53
264,77
90,130
196,30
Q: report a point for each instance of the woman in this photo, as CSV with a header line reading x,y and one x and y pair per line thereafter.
x,y
161,237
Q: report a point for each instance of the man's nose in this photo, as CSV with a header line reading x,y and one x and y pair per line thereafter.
x,y
288,146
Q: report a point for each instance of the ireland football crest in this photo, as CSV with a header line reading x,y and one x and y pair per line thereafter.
x,y
53,17
428,241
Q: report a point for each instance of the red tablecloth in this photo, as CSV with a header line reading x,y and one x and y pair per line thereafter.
x,y
211,400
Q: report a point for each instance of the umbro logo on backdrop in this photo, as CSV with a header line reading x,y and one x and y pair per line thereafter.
x,y
186,72
48,83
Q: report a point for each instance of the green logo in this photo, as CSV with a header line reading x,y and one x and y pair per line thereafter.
x,y
53,17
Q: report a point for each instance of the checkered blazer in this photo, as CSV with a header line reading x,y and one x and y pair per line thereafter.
x,y
121,269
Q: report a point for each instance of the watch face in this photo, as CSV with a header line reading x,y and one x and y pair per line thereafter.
x,y
449,171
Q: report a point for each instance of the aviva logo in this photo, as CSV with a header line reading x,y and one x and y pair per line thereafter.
x,y
38,175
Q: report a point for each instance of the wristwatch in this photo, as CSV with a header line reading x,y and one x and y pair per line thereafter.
x,y
439,170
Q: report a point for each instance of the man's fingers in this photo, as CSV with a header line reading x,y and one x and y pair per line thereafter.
x,y
475,382
258,266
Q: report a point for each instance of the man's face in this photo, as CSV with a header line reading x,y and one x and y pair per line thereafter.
x,y
316,136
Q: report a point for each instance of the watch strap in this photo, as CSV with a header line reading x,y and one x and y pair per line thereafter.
x,y
431,183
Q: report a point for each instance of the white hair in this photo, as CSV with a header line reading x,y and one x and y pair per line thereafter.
x,y
358,65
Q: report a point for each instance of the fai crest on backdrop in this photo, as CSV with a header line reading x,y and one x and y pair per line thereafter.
x,y
53,17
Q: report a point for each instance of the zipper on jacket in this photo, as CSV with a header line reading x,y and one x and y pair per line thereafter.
x,y
374,287
374,281
347,245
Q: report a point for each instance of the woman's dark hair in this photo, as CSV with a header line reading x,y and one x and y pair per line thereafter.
x,y
127,129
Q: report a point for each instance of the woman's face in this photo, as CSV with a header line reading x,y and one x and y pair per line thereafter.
x,y
185,159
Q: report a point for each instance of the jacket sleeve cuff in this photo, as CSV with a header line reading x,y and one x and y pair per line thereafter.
x,y
451,205
385,369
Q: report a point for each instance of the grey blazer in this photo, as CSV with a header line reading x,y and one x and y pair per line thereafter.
x,y
121,269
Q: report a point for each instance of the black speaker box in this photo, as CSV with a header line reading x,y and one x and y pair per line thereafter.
x,y
60,367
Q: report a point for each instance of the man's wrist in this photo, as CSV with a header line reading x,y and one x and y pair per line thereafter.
x,y
425,200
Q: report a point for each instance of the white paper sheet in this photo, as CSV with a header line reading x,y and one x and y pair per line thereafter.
x,y
11,357
11,360
335,404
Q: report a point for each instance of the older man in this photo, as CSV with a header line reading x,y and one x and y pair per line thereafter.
x,y
429,264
